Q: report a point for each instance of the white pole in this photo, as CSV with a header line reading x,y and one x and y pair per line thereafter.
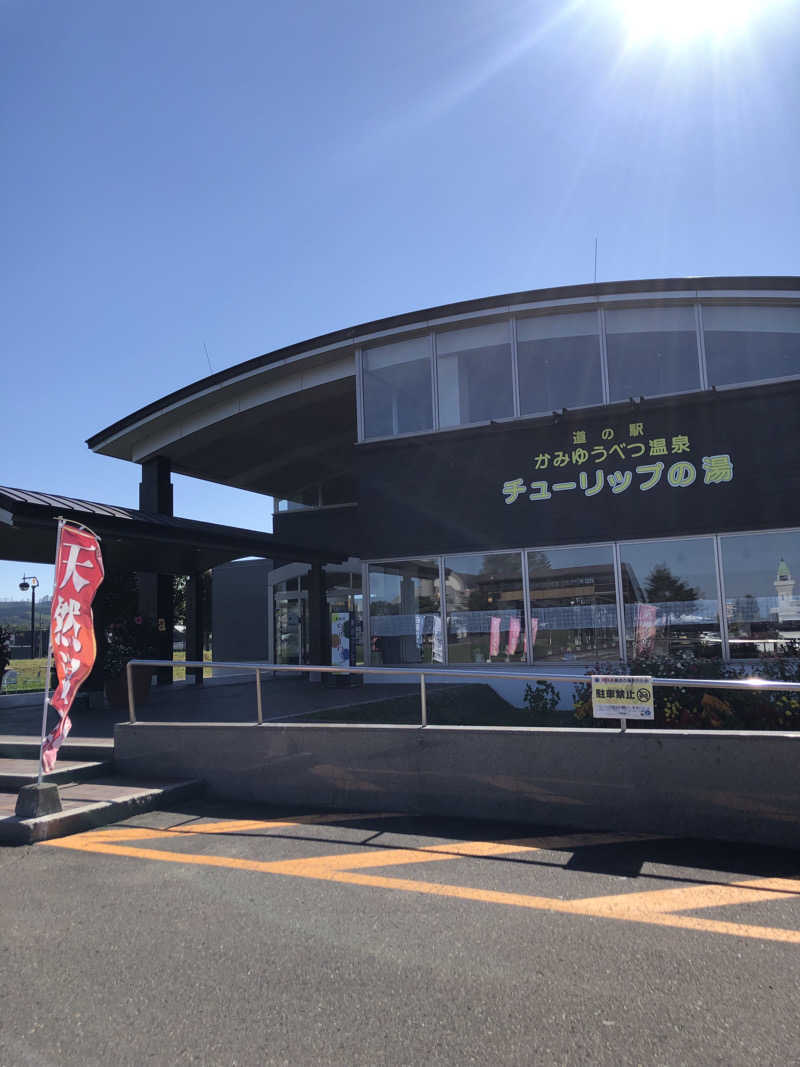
x,y
49,652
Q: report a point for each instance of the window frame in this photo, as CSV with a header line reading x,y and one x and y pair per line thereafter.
x,y
695,299
655,305
601,351
616,555
489,320
745,382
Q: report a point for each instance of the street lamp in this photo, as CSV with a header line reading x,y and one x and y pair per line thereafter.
x,y
31,582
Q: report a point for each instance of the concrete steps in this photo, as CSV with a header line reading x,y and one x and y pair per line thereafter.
x,y
14,773
92,794
81,749
89,805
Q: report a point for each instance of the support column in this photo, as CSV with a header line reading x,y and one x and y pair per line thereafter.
x,y
155,590
95,683
316,609
195,614
155,488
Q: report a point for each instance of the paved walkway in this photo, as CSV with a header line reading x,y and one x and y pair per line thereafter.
x,y
77,795
220,701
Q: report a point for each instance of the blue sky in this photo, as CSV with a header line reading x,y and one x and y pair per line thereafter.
x,y
189,175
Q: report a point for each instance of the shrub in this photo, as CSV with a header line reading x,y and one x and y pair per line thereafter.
x,y
542,699
126,639
5,649
683,707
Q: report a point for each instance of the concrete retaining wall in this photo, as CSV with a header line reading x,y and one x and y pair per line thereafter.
x,y
738,786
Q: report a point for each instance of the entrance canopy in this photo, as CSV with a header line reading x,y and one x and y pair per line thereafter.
x,y
131,539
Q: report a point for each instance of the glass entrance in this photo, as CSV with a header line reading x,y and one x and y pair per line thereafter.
x,y
291,627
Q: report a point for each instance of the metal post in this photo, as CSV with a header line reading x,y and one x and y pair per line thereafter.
x,y
623,726
33,618
44,707
131,706
49,656
423,700
258,697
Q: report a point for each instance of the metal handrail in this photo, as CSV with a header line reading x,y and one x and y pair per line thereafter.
x,y
746,684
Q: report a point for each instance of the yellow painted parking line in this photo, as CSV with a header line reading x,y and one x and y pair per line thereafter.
x,y
228,826
693,897
550,843
387,856
586,906
660,907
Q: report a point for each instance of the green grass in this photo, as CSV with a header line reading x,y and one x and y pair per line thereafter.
x,y
30,675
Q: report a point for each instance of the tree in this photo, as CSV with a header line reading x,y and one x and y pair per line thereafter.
x,y
746,608
662,586
119,595
5,649
179,599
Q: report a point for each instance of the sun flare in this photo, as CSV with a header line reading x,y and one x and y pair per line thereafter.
x,y
681,20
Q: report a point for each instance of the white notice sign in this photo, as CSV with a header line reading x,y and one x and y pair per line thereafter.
x,y
622,696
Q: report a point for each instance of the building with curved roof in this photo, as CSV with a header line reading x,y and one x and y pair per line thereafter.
x,y
562,476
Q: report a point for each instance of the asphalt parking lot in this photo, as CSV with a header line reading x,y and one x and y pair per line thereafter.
x,y
221,935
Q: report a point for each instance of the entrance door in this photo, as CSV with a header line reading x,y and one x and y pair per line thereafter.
x,y
291,628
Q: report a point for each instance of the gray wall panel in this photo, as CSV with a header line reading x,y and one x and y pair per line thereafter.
x,y
239,610
740,787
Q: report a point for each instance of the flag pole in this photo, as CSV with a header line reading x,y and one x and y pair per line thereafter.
x,y
49,651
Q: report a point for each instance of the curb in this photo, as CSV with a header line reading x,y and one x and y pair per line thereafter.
x,y
14,831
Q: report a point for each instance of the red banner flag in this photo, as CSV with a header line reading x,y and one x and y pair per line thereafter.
x,y
514,628
78,574
494,635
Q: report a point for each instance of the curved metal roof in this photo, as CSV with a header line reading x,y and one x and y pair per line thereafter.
x,y
351,334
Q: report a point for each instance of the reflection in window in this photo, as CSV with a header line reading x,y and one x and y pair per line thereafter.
x,y
651,351
291,631
474,374
558,358
338,489
760,574
345,614
397,388
573,605
670,595
485,608
405,617
746,344
307,497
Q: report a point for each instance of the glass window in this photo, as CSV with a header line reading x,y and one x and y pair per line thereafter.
x,y
474,374
573,605
670,594
558,358
651,351
345,612
761,597
746,344
397,388
485,608
291,630
405,612
307,497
